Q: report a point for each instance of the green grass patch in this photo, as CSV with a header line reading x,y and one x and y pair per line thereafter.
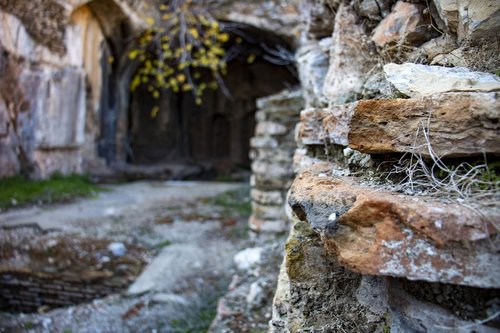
x,y
18,191
162,244
236,200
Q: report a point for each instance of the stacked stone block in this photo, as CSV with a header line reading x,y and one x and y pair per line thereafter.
x,y
272,150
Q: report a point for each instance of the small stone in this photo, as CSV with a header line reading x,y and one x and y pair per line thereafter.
x,y
118,249
406,24
248,258
255,295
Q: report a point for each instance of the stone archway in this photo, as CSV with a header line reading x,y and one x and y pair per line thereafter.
x,y
217,133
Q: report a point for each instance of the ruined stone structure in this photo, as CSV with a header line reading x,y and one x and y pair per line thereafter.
x,y
66,105
386,82
272,153
385,235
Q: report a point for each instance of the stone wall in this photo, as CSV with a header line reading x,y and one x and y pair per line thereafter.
x,y
54,52
28,292
272,154
72,75
383,239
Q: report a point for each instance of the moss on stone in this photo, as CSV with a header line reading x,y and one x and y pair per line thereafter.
x,y
301,236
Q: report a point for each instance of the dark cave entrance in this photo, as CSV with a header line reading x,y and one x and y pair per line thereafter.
x,y
217,133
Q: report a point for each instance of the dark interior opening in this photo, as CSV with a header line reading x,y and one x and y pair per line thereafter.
x,y
215,134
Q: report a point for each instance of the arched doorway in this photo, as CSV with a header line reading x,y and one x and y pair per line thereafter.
x,y
215,134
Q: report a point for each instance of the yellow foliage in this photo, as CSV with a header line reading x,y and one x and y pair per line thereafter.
x,y
174,49
251,58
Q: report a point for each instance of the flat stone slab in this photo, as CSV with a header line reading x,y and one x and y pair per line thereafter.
x,y
417,80
375,232
459,124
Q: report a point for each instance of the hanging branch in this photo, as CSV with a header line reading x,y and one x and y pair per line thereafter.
x,y
181,51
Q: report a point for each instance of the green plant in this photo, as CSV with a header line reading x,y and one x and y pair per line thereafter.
x,y
19,191
28,325
162,244
235,200
182,50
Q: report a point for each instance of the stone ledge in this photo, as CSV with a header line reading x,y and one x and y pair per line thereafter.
x,y
374,232
460,124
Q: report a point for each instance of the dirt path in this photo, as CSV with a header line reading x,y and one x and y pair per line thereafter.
x,y
189,232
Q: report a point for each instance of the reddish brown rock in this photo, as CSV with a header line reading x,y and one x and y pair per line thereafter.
x,y
374,232
406,24
319,126
460,124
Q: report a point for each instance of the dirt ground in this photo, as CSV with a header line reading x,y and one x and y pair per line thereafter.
x,y
187,233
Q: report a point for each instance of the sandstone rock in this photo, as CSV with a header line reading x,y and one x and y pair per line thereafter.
x,y
316,294
312,62
459,124
378,233
351,57
318,17
417,80
406,24
478,20
448,12
455,58
59,108
437,46
330,125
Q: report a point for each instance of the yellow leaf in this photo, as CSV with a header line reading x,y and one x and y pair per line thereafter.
x,y
181,78
150,21
156,94
224,37
111,59
186,87
194,32
198,101
251,58
154,111
133,54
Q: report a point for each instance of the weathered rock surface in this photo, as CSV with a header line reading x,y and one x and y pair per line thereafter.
x,y
318,17
330,125
417,80
448,12
271,153
378,233
406,24
350,40
459,124
317,294
478,20
312,58
247,305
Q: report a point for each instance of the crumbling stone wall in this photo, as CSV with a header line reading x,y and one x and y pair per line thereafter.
x,y
27,292
364,254
272,153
